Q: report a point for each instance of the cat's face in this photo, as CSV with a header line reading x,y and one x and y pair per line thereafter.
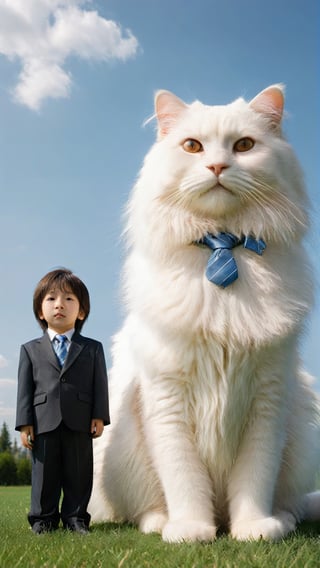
x,y
221,159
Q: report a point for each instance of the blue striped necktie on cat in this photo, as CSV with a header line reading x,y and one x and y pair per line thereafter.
x,y
60,347
222,268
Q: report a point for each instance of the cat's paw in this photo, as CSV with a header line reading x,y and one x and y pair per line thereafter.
x,y
269,528
152,521
188,531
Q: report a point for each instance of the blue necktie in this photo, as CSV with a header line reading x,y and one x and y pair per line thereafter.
x,y
222,268
60,347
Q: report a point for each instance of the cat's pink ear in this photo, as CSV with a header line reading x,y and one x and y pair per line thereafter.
x,y
270,102
168,107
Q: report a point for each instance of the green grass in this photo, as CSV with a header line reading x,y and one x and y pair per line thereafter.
x,y
122,546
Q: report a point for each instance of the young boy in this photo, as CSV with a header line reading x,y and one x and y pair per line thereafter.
x,y
62,404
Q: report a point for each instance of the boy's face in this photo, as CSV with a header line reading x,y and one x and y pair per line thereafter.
x,y
60,309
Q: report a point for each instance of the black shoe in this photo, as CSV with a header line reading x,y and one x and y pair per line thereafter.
x,y
77,526
41,527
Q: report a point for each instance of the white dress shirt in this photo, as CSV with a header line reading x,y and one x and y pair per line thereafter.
x,y
68,335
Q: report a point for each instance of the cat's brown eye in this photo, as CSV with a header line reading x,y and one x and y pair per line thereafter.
x,y
192,146
243,145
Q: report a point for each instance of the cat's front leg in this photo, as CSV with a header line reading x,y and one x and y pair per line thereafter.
x,y
254,476
184,478
269,528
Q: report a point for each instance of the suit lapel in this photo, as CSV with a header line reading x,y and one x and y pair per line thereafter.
x,y
77,344
46,346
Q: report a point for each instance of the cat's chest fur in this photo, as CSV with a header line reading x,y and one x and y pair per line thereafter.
x,y
269,299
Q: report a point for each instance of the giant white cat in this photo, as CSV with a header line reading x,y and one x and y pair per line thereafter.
x,y
214,425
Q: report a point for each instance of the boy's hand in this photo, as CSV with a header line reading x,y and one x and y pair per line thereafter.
x,y
27,436
97,427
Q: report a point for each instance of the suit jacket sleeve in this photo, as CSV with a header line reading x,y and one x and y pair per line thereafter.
x,y
24,413
100,399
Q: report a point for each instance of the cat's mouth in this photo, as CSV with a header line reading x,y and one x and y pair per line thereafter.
x,y
217,187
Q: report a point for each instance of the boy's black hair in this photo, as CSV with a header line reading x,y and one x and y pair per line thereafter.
x,y
64,280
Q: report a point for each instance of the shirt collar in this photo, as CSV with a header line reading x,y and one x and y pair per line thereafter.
x,y
68,333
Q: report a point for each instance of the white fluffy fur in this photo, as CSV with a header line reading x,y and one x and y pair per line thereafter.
x,y
213,423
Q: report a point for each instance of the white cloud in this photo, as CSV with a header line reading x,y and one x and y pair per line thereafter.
x,y
8,389
3,362
7,412
43,34
40,80
7,415
7,383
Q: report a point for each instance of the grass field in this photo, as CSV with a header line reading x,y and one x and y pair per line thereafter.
x,y
121,546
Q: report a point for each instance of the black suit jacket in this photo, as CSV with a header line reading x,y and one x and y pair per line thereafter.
x,y
75,394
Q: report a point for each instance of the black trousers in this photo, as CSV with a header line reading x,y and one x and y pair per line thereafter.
x,y
62,464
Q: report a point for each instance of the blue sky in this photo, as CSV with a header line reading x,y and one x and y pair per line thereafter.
x,y
77,80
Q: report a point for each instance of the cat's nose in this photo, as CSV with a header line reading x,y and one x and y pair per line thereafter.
x,y
217,168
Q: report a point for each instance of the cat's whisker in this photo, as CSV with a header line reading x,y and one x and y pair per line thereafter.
x,y
281,204
183,195
172,198
276,204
